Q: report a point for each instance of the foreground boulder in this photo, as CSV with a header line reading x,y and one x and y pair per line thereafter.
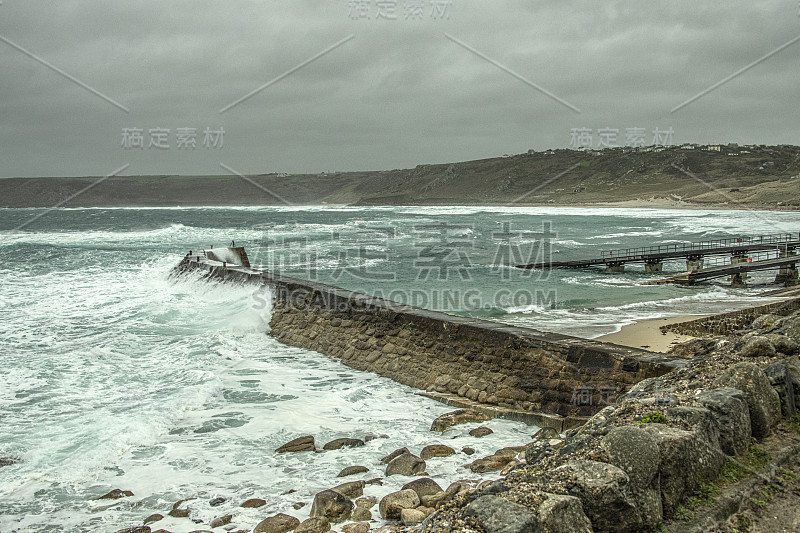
x,y
436,450
331,505
480,431
411,517
545,433
406,464
784,379
343,443
221,521
790,327
397,453
605,493
758,347
352,470
461,416
686,458
116,494
300,444
732,416
356,527
315,524
762,401
636,452
351,490
424,486
499,515
793,364
783,344
699,418
542,448
563,514
393,503
492,463
253,503
280,523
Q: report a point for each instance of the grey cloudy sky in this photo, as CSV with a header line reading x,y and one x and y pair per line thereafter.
x,y
399,92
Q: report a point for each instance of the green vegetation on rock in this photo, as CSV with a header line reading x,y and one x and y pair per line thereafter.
x,y
653,417
737,469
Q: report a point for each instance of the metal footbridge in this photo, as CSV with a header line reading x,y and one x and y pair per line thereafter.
x,y
726,257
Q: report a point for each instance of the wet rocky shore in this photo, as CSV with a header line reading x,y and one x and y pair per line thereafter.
x,y
344,507
653,461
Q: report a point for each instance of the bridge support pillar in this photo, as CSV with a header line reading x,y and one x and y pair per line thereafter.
x,y
615,267
653,266
784,274
740,277
738,280
790,278
694,263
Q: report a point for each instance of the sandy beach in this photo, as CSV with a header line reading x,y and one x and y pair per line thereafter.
x,y
647,335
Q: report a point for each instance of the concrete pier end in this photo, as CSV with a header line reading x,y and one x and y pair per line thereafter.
x,y
229,255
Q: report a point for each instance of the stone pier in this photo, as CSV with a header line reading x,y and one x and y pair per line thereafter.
x,y
543,378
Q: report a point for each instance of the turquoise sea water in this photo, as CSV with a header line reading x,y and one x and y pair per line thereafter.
x,y
115,376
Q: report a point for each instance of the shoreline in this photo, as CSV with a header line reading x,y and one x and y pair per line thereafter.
x,y
646,334
657,204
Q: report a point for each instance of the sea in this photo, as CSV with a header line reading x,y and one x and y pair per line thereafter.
x,y
117,375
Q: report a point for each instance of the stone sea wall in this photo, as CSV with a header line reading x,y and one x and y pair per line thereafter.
x,y
480,362
726,323
556,380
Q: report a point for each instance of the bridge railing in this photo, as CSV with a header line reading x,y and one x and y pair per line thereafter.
x,y
690,247
760,255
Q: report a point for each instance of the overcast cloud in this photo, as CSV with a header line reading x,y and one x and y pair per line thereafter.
x,y
398,93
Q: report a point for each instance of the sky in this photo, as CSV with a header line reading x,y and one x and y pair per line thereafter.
x,y
201,87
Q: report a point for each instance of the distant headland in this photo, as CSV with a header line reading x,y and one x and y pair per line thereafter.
x,y
686,176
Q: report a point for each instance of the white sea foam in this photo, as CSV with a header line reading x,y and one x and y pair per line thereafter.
x,y
171,389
